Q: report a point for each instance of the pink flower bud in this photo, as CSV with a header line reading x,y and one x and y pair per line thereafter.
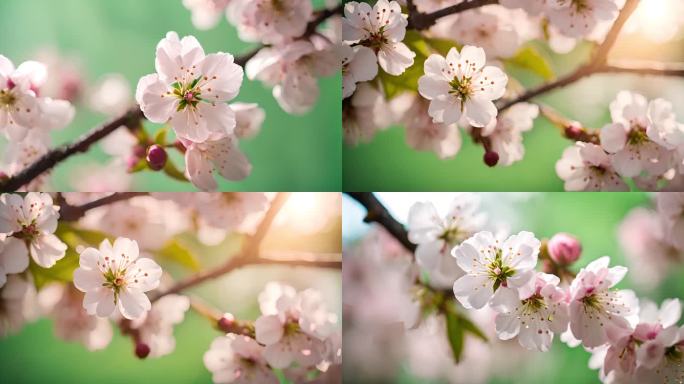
x,y
3,176
226,323
573,130
156,157
142,350
491,158
564,248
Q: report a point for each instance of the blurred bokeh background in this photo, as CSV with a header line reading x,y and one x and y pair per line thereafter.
x,y
309,223
387,163
595,218
119,36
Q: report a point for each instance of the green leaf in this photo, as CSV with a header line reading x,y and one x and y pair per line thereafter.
x,y
530,59
280,375
89,236
469,326
173,172
178,253
160,136
455,334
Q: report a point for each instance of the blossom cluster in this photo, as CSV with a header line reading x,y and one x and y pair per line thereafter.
x,y
495,278
295,332
644,142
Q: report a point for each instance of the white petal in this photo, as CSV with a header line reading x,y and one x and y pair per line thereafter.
x,y
133,304
47,249
269,329
223,77
13,256
154,99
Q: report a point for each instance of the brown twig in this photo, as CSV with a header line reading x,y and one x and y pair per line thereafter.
x,y
377,213
69,212
419,20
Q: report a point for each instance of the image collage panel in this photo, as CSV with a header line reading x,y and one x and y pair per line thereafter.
x,y
334,191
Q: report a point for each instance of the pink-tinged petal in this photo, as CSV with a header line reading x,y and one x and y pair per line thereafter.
x,y
490,83
219,117
363,66
6,67
471,60
25,111
593,154
47,249
155,100
394,58
222,78
298,93
13,256
105,302
479,112
473,291
89,258
133,304
507,326
446,110
626,163
126,247
505,300
192,54
436,66
423,222
167,62
198,169
670,312
144,275
279,355
429,254
248,119
430,87
269,329
30,74
87,280
189,124
613,137
228,160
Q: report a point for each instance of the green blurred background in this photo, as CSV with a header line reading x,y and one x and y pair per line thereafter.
x,y
593,217
35,355
387,163
292,153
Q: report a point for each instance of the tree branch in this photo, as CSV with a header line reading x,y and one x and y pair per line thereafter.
x,y
130,119
643,68
595,65
419,20
379,214
69,212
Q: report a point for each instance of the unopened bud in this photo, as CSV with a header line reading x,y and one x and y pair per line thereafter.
x,y
156,157
226,322
3,176
573,130
564,248
142,350
491,158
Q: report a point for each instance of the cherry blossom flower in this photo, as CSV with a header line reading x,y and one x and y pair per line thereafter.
x,y
423,134
232,211
578,18
206,13
190,89
491,28
671,208
460,86
436,236
494,267
505,132
155,327
222,156
17,300
113,278
595,309
292,70
586,167
533,319
13,257
33,219
661,359
363,114
382,29
358,65
629,138
19,107
238,359
270,22
248,119
63,303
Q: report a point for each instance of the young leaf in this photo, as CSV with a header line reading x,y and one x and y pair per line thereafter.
x,y
442,46
529,58
178,253
160,136
469,326
455,334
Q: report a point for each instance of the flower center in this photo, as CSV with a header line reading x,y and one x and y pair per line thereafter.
x,y
461,88
674,354
637,135
7,98
376,40
499,272
189,94
115,280
28,232
533,303
451,235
